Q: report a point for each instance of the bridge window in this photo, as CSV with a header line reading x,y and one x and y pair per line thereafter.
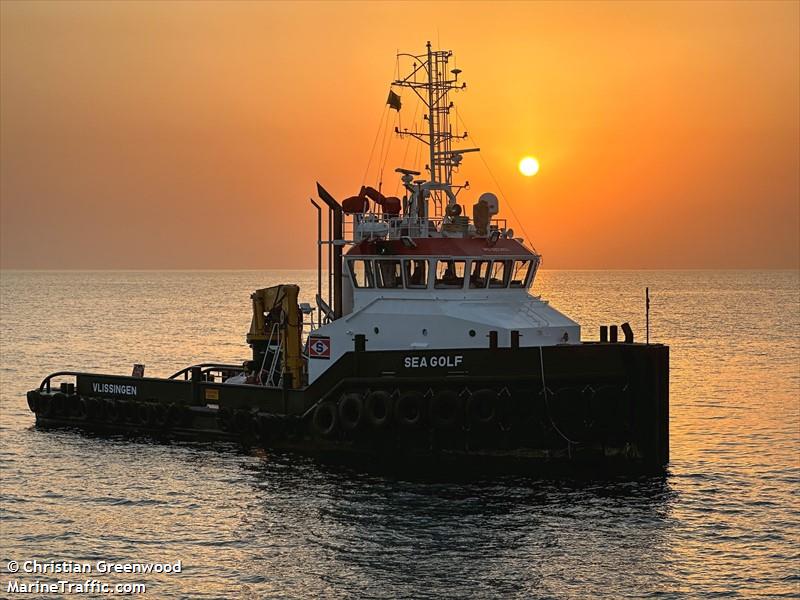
x,y
388,274
416,273
361,273
478,276
500,272
450,273
519,276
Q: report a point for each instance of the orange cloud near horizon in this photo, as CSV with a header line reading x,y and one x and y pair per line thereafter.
x,y
191,135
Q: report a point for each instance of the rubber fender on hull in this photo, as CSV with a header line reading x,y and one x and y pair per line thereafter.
x,y
249,423
409,409
243,422
269,427
115,411
59,404
179,415
144,413
351,411
569,411
326,419
78,408
96,409
482,407
505,411
254,426
161,415
33,401
45,406
378,408
446,409
610,406
224,419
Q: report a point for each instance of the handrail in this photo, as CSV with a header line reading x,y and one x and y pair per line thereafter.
x,y
275,357
415,225
207,367
46,381
45,384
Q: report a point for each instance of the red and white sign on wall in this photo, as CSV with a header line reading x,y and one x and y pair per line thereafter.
x,y
319,347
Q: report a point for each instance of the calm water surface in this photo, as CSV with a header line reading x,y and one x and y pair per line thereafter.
x,y
724,521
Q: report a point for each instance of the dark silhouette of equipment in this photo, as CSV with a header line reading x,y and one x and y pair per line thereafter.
x,y
360,204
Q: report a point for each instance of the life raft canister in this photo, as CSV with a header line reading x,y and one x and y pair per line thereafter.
x,y
378,408
351,411
325,418
408,410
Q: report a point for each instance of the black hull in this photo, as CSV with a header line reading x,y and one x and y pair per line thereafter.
x,y
599,406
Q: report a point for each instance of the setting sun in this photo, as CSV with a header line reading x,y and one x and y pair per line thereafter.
x,y
529,166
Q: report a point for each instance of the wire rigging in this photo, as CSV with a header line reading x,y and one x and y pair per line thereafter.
x,y
388,147
491,174
380,154
374,143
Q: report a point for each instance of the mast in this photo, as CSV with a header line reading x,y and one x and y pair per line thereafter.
x,y
431,127
434,92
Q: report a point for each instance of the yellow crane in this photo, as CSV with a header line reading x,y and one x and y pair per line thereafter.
x,y
277,320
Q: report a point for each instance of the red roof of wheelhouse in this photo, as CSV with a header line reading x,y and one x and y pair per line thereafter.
x,y
476,246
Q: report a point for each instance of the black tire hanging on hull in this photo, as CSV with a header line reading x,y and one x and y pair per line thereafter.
x,y
45,406
78,408
115,411
409,409
378,409
325,419
33,401
161,416
446,409
482,407
351,412
59,404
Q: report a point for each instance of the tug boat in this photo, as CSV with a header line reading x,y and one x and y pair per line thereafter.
x,y
428,344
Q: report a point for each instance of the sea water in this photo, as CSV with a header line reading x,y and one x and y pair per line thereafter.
x,y
724,520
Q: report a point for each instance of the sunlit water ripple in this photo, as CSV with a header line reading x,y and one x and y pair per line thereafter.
x,y
723,522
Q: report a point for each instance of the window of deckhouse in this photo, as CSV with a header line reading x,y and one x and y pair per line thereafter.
x,y
388,274
478,274
361,273
450,273
500,272
416,273
519,276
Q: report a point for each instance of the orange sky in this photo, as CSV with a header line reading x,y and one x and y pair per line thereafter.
x,y
190,135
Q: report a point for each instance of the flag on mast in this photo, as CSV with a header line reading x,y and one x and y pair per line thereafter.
x,y
393,101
